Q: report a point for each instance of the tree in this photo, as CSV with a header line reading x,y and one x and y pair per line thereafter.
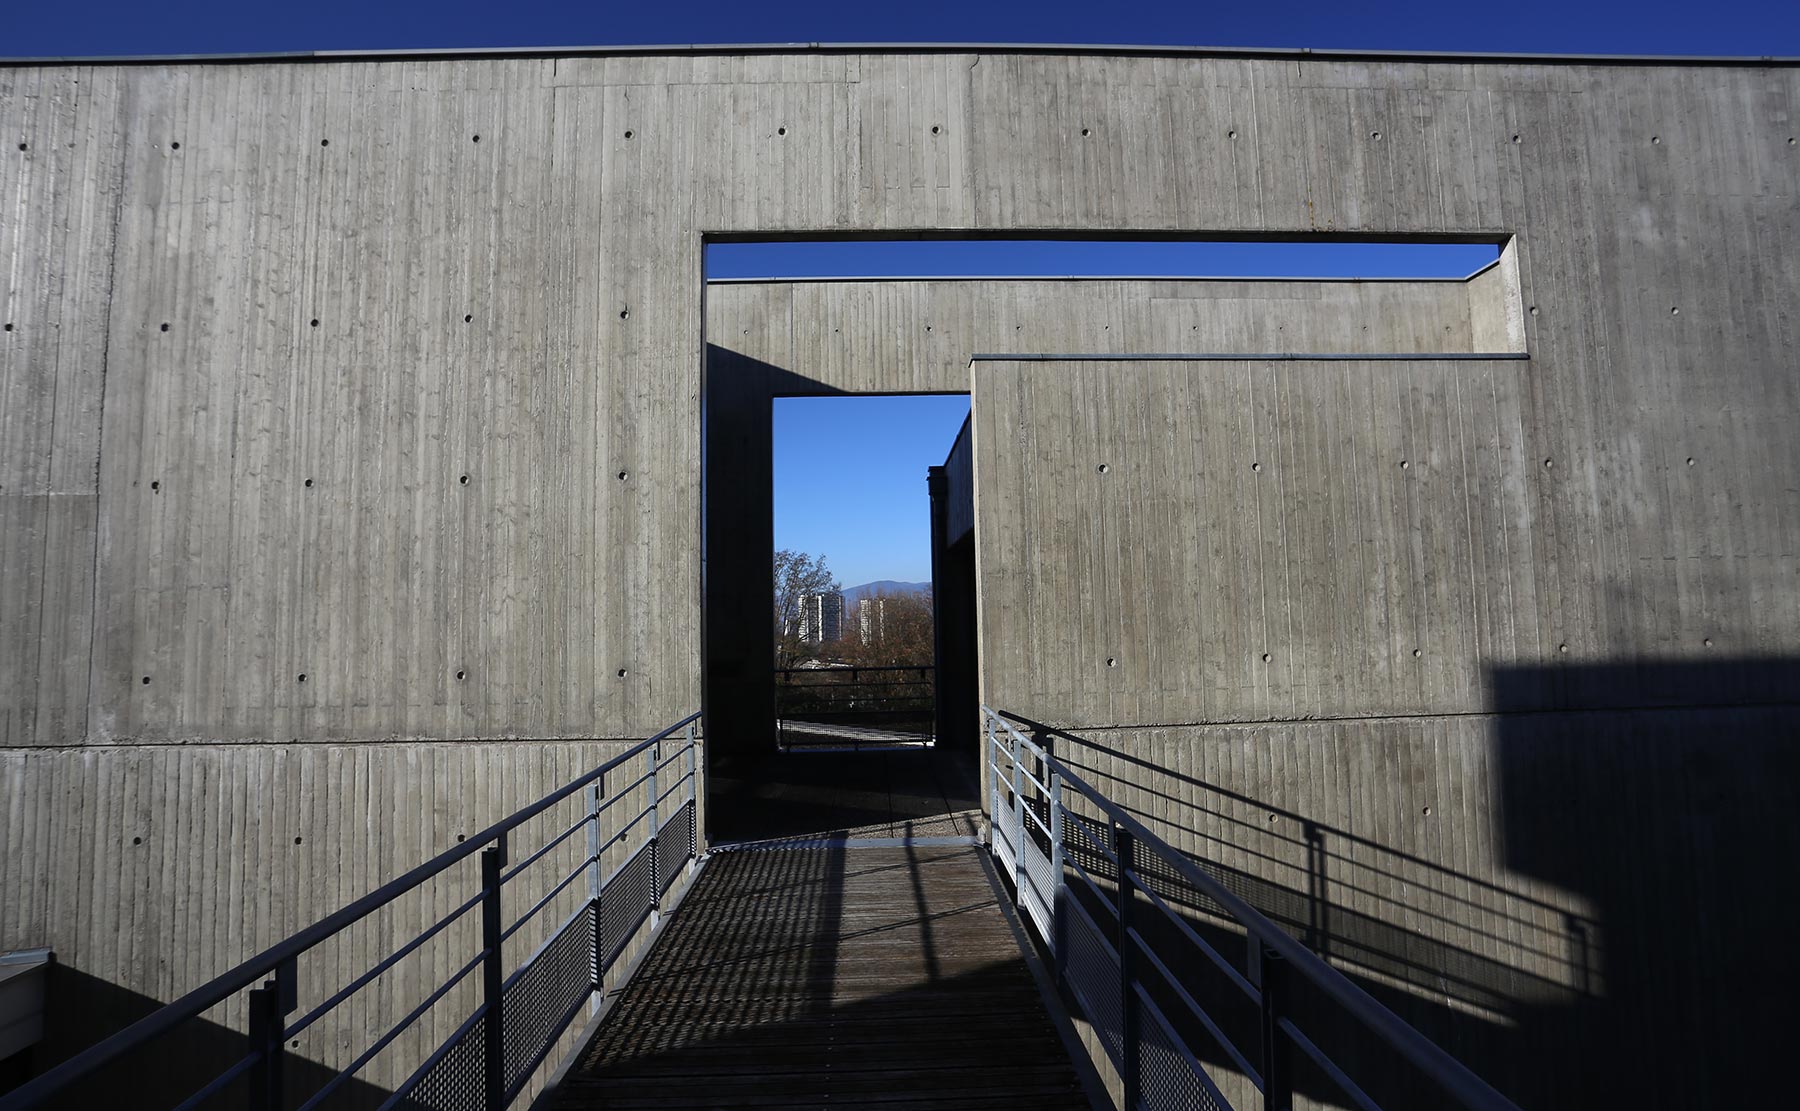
x,y
796,575
900,631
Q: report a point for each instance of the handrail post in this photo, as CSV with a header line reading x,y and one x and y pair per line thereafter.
x,y
993,772
596,794
493,1007
269,1008
655,835
1125,848
1269,972
693,778
1018,817
1059,950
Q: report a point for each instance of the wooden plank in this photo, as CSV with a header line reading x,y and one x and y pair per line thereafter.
x,y
823,976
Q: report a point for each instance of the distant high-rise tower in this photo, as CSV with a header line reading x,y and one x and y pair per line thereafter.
x,y
821,617
871,615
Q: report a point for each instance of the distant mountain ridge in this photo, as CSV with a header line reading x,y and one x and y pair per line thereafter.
x,y
855,594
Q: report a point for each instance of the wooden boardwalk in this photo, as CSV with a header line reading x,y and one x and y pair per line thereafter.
x,y
831,977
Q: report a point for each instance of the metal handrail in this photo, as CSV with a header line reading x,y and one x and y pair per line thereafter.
x,y
278,961
1455,1078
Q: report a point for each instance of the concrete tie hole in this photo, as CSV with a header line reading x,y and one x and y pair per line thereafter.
x,y
1375,135
137,840
624,475
146,680
1707,643
1417,653
630,134
156,487
309,484
296,840
324,142
1102,468
1257,467
9,326
1231,134
1112,661
1085,133
314,323
623,673
174,146
1534,310
781,131
474,138
1549,464
1656,140
1563,648
1266,657
26,146
165,326
461,675
934,129
462,480
1517,139
301,678
1690,461
624,314
1427,811
1405,465
1675,310
468,318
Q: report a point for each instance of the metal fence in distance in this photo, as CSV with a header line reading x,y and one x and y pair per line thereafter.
x,y
834,708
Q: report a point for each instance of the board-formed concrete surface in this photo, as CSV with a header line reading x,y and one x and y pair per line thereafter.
x,y
351,426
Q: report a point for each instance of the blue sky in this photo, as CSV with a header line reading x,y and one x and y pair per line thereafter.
x,y
859,497
1753,27
1064,258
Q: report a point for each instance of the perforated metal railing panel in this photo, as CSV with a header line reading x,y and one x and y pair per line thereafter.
x,y
1037,887
1092,969
674,844
625,902
546,993
1170,1077
454,1083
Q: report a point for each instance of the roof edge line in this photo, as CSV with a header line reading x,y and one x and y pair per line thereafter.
x,y
1101,50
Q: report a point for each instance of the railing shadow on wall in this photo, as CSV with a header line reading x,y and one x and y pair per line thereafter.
x,y
1627,945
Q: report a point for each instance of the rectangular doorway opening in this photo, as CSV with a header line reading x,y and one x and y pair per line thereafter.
x,y
860,620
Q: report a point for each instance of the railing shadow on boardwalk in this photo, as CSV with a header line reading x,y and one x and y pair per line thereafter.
x,y
799,977
1629,945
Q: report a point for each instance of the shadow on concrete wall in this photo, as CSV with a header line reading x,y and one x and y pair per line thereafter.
x,y
83,1010
1671,827
738,659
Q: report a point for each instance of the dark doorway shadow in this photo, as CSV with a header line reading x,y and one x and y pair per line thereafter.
x,y
921,792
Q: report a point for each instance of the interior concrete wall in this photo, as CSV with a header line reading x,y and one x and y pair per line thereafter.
x,y
526,310
812,338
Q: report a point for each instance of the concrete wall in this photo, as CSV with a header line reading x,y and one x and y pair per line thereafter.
x,y
785,339
526,310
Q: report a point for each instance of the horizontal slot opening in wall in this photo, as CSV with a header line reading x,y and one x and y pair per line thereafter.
x,y
1462,301
1330,259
